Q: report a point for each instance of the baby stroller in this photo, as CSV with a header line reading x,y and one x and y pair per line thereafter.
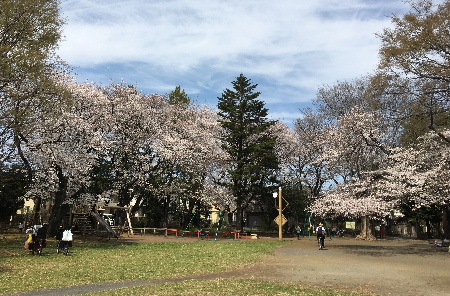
x,y
36,241
64,239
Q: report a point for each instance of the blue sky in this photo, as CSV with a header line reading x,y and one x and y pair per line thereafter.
x,y
289,48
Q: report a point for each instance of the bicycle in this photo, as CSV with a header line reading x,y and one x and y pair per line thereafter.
x,y
321,241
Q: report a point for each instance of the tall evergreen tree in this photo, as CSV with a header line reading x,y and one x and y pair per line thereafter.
x,y
249,143
178,97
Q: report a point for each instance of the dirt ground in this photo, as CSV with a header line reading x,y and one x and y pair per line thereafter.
x,y
383,267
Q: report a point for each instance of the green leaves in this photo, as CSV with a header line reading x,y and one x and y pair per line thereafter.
x,y
248,142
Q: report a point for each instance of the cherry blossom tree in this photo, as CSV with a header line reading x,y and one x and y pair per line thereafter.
x,y
190,146
156,150
308,163
418,175
62,149
351,149
412,87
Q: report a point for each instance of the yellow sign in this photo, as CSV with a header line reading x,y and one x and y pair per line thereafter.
x,y
350,225
280,220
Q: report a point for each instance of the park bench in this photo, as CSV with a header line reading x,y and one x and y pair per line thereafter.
x,y
144,230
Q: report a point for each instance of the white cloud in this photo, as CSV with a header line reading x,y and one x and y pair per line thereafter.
x,y
293,45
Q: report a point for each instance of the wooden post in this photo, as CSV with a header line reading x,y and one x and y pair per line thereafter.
x,y
280,213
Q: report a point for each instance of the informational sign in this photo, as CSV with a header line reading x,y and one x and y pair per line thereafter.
x,y
280,220
350,225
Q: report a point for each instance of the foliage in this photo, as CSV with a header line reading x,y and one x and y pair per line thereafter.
x,y
351,146
378,138
365,149
249,145
178,97
415,60
418,43
413,82
29,34
298,197
419,174
13,184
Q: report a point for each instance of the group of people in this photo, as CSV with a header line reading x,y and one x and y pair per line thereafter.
x,y
320,231
36,237
39,231
38,234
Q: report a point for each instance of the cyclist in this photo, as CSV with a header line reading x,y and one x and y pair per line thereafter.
x,y
320,231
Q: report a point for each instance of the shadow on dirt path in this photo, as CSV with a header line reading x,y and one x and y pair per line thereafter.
x,y
384,267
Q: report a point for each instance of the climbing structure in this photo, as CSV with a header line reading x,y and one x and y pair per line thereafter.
x,y
198,213
105,224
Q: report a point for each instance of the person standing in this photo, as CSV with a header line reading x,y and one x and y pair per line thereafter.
x,y
298,230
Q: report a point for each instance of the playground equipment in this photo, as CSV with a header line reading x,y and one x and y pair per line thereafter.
x,y
207,233
308,226
103,222
204,233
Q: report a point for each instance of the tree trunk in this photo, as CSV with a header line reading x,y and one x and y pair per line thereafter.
x,y
37,200
59,210
239,218
137,205
165,218
446,222
190,212
419,231
366,229
427,222
36,210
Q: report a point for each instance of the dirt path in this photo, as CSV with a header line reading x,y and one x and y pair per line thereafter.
x,y
385,267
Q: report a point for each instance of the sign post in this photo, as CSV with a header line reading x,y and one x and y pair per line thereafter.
x,y
280,219
280,214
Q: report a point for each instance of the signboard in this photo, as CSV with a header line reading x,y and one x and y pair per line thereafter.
x,y
350,225
280,220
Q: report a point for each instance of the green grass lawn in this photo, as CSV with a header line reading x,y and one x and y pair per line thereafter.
x,y
107,261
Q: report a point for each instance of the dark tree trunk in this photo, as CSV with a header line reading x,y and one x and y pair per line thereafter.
x,y
427,222
59,210
165,218
446,222
240,218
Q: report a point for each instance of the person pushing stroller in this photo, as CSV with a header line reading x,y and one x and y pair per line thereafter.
x,y
64,238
